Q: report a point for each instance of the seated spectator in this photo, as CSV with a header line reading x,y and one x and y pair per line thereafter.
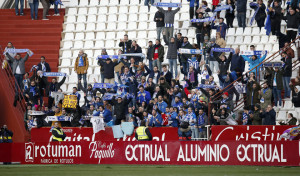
x,y
291,120
256,117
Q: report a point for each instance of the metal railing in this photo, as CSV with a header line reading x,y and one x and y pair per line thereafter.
x,y
231,85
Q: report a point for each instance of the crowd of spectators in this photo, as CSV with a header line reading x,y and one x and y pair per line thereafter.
x,y
157,94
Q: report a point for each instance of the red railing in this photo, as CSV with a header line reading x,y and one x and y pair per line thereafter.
x,y
15,91
231,85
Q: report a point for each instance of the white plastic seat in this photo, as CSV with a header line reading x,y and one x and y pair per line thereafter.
x,y
184,32
151,15
185,8
94,2
73,3
144,9
101,18
81,18
120,35
101,26
132,34
123,9
288,105
68,44
104,3
268,47
183,16
132,26
255,31
247,39
102,10
90,36
273,39
89,53
72,11
92,77
243,47
90,27
88,44
70,87
259,47
230,40
264,39
109,44
79,36
132,17
185,24
152,26
143,17
100,35
275,47
262,31
75,53
247,31
113,2
66,54
84,3
65,70
256,40
142,43
91,18
239,40
110,35
112,18
143,25
231,31
132,8
239,31
122,18
113,10
97,71
122,26
82,11
142,35
70,28
80,27
69,36
71,19
235,23
99,44
191,33
78,45
111,26
65,63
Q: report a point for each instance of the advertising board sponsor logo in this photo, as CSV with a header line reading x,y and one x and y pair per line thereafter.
x,y
101,150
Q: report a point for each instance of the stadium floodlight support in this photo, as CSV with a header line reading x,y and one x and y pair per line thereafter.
x,y
270,58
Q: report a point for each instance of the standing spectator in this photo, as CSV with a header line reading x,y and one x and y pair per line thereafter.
x,y
275,14
18,67
252,93
202,121
237,63
256,116
159,19
56,11
203,8
158,54
169,21
292,19
261,13
150,52
43,65
17,7
53,87
184,57
191,76
103,52
81,66
265,96
222,27
268,115
10,46
254,61
241,8
277,85
296,98
213,63
147,2
230,13
143,96
34,7
193,4
215,3
172,56
136,49
166,74
199,26
120,107
287,73
46,7
108,70
125,44
223,66
32,93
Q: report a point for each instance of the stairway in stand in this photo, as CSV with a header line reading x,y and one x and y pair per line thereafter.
x,y
42,37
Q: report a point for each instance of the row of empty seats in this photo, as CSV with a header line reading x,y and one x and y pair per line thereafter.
x,y
92,3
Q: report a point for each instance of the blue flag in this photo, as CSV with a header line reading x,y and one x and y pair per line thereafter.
x,y
222,50
108,56
164,4
203,20
205,86
53,74
268,22
254,4
223,7
103,85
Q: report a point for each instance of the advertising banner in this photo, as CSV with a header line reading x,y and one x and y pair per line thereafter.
x,y
86,134
284,153
247,133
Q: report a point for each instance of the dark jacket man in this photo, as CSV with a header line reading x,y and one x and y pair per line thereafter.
x,y
108,67
158,15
